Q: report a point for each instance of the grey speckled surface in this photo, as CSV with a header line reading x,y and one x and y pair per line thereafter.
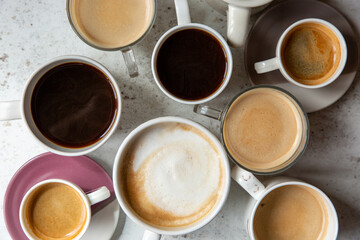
x,y
32,32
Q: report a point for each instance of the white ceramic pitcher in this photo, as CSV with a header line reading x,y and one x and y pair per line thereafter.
x,y
238,15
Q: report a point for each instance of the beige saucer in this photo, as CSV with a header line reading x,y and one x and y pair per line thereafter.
x,y
266,31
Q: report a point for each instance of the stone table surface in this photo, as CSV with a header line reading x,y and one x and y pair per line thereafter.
x,y
32,32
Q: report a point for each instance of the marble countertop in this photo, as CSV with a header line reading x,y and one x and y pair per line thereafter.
x,y
32,32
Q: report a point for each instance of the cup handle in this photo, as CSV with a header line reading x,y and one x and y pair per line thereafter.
x,y
182,12
98,195
207,111
130,62
10,110
237,26
148,235
267,65
248,181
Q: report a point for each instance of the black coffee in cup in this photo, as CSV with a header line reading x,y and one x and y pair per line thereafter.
x,y
74,105
191,64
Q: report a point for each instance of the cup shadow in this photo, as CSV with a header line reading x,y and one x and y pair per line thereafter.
x,y
349,219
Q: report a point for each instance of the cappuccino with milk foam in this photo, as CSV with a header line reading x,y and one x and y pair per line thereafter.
x,y
173,175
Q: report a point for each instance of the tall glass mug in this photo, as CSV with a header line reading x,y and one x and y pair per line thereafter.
x,y
264,129
111,25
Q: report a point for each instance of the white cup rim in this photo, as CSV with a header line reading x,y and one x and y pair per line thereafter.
x,y
54,180
191,227
343,49
325,198
207,29
52,64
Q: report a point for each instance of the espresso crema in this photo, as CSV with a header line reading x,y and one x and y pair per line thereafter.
x,y
311,53
112,23
262,129
55,211
172,175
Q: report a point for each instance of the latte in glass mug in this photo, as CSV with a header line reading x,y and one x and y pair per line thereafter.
x,y
263,129
172,174
111,23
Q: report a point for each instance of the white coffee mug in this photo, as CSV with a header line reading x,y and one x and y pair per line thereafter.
x,y
259,191
22,109
238,18
153,232
92,198
184,22
276,62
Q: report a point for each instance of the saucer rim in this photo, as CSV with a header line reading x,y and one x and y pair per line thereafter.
x,y
10,185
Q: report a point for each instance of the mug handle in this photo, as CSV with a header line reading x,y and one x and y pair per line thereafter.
x,y
98,195
248,181
267,65
149,235
207,111
130,62
238,21
182,12
10,110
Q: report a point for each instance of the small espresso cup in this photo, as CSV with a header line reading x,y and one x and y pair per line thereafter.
x,y
264,129
171,176
113,25
286,208
311,53
191,63
47,206
24,110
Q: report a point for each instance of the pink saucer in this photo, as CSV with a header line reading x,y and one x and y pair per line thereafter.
x,y
82,171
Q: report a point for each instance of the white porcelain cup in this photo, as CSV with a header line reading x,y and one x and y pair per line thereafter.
x,y
12,110
184,22
153,232
238,17
277,63
89,199
259,191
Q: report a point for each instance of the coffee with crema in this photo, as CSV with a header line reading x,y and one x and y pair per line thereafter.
x,y
291,212
55,211
112,23
172,175
262,129
311,53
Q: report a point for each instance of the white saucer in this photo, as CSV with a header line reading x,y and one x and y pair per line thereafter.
x,y
103,223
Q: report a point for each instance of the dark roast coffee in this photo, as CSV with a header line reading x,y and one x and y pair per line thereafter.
x,y
191,64
74,105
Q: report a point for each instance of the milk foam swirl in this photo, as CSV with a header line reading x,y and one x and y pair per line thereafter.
x,y
173,175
